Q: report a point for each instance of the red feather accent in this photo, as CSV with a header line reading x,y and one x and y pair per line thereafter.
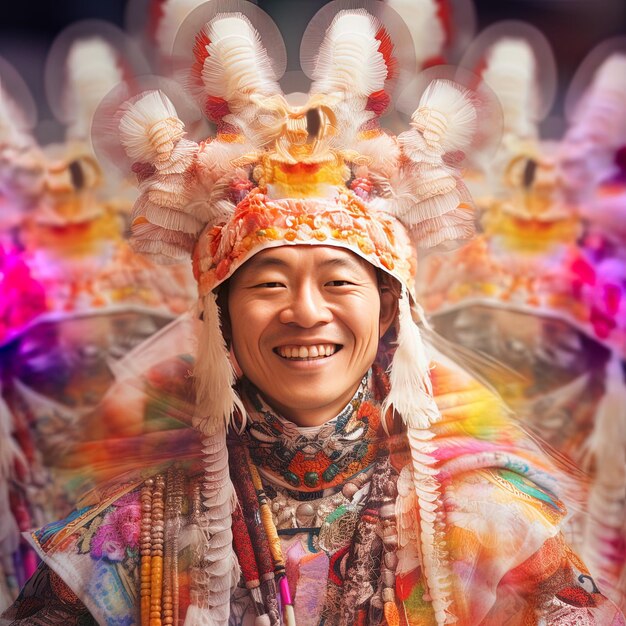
x,y
481,67
200,53
438,59
444,13
378,102
385,47
216,108
155,15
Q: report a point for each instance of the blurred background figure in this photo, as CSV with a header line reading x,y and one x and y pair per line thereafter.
x,y
540,291
76,299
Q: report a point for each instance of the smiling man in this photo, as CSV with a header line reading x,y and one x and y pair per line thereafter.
x,y
348,474
305,327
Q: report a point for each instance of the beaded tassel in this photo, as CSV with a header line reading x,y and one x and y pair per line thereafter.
x,y
245,556
368,552
146,550
156,561
173,508
247,496
390,546
274,543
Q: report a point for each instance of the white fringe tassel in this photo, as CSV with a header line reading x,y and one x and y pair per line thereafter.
x,y
411,390
216,401
218,572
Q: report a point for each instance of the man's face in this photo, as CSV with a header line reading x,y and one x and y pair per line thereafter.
x,y
305,323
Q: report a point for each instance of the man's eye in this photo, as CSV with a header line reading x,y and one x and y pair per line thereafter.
x,y
270,285
339,283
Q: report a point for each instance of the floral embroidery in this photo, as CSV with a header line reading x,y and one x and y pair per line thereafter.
x,y
117,537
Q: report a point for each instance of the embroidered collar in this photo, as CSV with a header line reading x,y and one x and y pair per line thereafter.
x,y
313,459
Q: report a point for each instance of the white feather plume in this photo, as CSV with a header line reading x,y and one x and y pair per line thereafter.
x,y
92,71
349,60
410,392
512,73
237,65
174,13
601,115
427,31
446,117
382,153
150,128
164,246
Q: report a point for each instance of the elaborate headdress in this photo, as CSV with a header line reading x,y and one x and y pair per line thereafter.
x,y
277,173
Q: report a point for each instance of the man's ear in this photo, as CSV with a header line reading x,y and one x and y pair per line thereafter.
x,y
388,309
222,305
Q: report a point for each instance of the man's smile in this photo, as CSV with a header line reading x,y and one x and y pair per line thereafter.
x,y
299,352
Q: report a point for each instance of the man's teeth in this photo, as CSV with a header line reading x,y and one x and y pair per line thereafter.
x,y
307,352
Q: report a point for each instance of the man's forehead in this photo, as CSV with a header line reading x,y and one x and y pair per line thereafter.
x,y
320,256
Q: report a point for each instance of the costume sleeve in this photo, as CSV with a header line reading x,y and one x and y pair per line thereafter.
x,y
47,600
504,514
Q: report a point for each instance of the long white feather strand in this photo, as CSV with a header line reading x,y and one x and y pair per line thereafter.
x,y
216,572
217,401
411,396
216,404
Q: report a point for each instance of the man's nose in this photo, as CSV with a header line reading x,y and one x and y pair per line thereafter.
x,y
307,308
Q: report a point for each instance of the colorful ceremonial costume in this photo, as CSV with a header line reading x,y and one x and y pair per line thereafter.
x,y
421,502
349,542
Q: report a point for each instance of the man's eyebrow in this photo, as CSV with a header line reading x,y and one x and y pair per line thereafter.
x,y
342,263
266,261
